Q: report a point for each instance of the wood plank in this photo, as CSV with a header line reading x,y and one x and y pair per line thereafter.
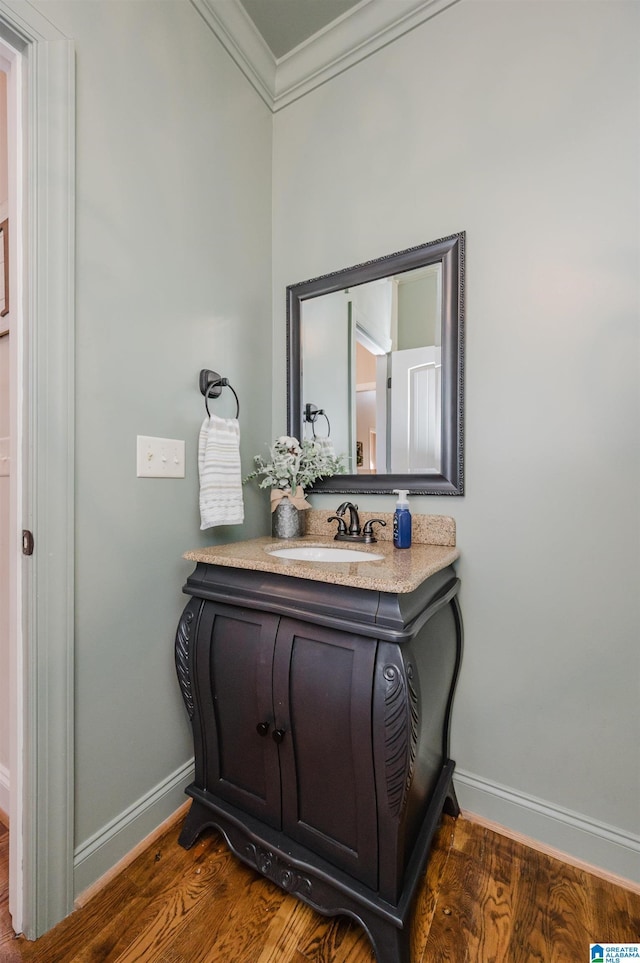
x,y
123,908
285,931
165,900
334,940
531,937
534,844
233,921
426,899
484,897
612,914
167,914
473,916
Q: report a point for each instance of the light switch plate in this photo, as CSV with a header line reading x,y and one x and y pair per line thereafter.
x,y
160,457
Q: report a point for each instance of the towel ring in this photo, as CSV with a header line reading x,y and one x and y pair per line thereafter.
x,y
311,415
211,385
313,424
225,384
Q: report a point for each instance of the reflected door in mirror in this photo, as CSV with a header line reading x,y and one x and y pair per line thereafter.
x,y
371,360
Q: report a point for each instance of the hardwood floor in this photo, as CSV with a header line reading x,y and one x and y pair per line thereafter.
x,y
484,899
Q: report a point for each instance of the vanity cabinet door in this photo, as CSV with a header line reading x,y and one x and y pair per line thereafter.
x,y
322,689
234,659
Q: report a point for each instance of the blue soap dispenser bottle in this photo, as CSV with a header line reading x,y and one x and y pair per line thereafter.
x,y
402,520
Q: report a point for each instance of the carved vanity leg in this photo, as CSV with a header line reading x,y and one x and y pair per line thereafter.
x,y
390,944
451,807
196,820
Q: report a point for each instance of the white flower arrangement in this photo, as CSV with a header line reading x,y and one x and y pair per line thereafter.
x,y
295,465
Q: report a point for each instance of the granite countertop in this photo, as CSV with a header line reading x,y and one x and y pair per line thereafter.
x,y
398,571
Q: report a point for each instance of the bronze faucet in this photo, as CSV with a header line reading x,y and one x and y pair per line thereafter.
x,y
353,533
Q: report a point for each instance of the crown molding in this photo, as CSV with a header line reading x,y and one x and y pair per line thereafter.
x,y
357,34
22,24
361,31
236,31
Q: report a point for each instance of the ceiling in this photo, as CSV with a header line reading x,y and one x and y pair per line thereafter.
x,y
284,24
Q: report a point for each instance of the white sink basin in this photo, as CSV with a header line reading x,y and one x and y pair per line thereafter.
x,y
322,553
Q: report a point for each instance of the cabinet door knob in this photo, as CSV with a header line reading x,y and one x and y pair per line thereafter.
x,y
278,735
262,728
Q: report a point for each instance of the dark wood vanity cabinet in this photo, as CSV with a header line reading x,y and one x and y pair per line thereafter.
x,y
286,729
320,718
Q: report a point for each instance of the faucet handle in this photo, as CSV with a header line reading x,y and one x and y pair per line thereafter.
x,y
367,531
342,525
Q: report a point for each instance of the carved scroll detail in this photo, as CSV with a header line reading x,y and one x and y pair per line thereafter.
x,y
278,871
401,734
183,637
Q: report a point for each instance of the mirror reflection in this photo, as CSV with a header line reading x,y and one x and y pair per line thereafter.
x,y
373,351
375,368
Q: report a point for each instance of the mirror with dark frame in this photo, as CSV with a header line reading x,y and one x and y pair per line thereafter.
x,y
375,365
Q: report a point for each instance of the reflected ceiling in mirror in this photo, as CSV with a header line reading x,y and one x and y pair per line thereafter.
x,y
375,365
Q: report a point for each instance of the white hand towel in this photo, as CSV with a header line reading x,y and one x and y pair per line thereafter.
x,y
220,473
325,445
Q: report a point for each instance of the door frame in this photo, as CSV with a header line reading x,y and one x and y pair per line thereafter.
x,y
42,431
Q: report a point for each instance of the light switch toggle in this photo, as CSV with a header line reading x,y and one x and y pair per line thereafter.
x,y
160,457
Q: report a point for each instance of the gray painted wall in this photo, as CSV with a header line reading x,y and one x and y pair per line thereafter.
x,y
419,312
511,121
173,274
517,122
327,380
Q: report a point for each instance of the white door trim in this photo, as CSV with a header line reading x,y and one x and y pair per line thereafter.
x,y
42,778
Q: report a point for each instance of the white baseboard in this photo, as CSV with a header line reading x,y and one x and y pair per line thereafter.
x,y
579,837
170,823
98,854
4,790
568,833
